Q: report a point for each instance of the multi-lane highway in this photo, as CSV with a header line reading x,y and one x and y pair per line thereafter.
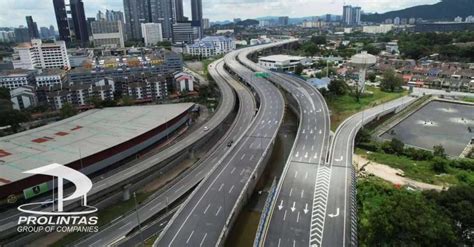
x,y
121,227
290,214
205,217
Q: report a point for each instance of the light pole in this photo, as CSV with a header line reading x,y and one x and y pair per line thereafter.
x,y
138,218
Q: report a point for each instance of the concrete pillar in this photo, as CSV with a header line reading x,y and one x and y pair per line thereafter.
x,y
192,154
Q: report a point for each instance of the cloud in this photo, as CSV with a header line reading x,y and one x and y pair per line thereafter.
x,y
13,12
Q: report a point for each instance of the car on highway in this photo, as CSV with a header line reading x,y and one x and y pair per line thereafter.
x,y
206,128
229,144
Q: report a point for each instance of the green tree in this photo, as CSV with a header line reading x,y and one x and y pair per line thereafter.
x,y
299,69
371,49
363,136
127,100
397,146
440,165
68,110
319,40
337,87
5,93
439,151
391,82
13,118
372,77
458,203
408,219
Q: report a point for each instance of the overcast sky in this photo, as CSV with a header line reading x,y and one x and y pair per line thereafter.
x,y
13,12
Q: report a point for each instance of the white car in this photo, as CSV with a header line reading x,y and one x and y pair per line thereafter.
x,y
206,128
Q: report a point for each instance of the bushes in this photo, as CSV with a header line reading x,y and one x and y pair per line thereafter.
x,y
440,165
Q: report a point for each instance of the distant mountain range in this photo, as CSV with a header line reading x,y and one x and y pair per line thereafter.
x,y
444,10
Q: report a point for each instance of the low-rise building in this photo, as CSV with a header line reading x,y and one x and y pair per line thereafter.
x,y
39,55
283,62
211,46
12,79
50,77
23,97
108,34
184,82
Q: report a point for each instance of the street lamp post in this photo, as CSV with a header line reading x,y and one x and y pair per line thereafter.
x,y
138,218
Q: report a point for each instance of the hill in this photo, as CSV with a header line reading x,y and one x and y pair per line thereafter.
x,y
444,10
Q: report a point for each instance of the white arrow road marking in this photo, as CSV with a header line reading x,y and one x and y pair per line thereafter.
x,y
306,155
340,159
334,215
320,132
305,210
281,205
293,208
316,155
319,110
297,154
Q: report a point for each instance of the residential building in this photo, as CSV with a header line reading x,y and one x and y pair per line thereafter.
x,y
470,18
39,55
109,34
7,36
12,79
184,82
392,47
32,28
89,25
22,34
50,77
351,15
62,20
383,28
458,19
211,46
283,62
136,13
112,15
100,16
444,27
152,33
283,20
396,21
23,97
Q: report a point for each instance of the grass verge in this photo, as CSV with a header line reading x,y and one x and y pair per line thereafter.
x,y
345,106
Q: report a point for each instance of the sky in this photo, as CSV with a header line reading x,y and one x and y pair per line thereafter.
x,y
13,12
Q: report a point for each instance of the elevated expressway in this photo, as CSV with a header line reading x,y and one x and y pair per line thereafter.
x,y
339,227
206,216
161,161
293,206
119,229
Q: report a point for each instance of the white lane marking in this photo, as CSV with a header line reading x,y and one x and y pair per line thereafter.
x,y
251,157
306,175
294,243
296,174
233,170
220,188
242,172
298,217
284,216
205,210
243,156
291,191
152,208
218,210
190,235
302,193
279,240
124,225
231,188
203,238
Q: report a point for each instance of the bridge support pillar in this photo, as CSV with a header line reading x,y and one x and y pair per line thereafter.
x,y
126,192
192,154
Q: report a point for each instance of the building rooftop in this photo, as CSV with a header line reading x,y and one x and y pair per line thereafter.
x,y
16,72
80,136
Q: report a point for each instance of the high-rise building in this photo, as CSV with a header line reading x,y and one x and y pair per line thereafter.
x,y
22,34
161,11
283,20
183,33
178,10
152,33
89,25
328,18
205,23
351,15
112,15
32,28
52,31
196,14
136,13
108,34
62,20
100,16
38,55
79,20
45,33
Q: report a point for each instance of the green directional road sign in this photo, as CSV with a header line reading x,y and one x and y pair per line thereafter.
x,y
262,75
35,190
